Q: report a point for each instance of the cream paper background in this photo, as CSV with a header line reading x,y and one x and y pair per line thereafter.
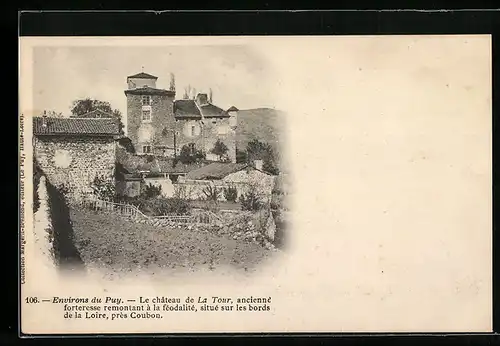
x,y
389,140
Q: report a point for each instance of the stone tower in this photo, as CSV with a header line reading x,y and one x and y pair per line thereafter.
x,y
149,114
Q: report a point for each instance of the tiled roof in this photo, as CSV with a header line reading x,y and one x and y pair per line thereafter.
x,y
143,75
186,108
216,170
189,109
75,126
149,91
233,109
212,111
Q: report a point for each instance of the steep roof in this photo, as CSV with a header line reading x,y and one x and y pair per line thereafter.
x,y
216,170
189,109
211,111
143,75
149,91
75,126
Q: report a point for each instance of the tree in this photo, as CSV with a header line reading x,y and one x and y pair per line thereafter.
x,y
172,82
86,105
187,93
126,143
219,149
190,154
257,150
53,114
241,156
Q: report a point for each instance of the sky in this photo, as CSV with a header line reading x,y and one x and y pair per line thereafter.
x,y
61,74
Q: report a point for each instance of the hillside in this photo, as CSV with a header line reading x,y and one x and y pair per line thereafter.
x,y
264,124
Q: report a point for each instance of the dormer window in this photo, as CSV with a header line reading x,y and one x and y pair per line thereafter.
x,y
146,100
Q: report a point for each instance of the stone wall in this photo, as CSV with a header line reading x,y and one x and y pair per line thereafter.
x,y
243,181
150,133
162,117
43,229
207,134
75,161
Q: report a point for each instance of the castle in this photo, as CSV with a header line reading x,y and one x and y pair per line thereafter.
x,y
160,125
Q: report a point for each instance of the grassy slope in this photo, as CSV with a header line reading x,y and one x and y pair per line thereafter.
x,y
104,239
264,124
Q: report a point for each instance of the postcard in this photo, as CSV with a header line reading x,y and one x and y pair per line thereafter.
x,y
255,184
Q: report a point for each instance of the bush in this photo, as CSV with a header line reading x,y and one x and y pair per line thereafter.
x,y
167,206
37,174
211,193
182,191
104,188
230,194
151,191
251,201
158,206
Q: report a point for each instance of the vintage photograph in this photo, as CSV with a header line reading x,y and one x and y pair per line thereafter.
x,y
263,184
154,159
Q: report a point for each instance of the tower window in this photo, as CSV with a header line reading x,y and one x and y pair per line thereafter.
x,y
146,100
192,130
146,115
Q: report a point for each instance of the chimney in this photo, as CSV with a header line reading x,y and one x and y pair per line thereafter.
x,y
258,164
202,99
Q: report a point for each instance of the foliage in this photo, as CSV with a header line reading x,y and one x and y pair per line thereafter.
x,y
169,206
219,149
182,191
37,174
158,205
53,114
127,144
150,158
257,150
103,188
172,82
190,154
251,200
151,191
86,105
241,156
211,193
230,193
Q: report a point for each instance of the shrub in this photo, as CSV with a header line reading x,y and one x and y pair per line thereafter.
x,y
230,193
211,193
251,201
182,191
151,191
37,173
103,188
167,206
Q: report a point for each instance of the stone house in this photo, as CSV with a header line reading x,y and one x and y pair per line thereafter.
x,y
135,171
241,176
73,151
160,125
